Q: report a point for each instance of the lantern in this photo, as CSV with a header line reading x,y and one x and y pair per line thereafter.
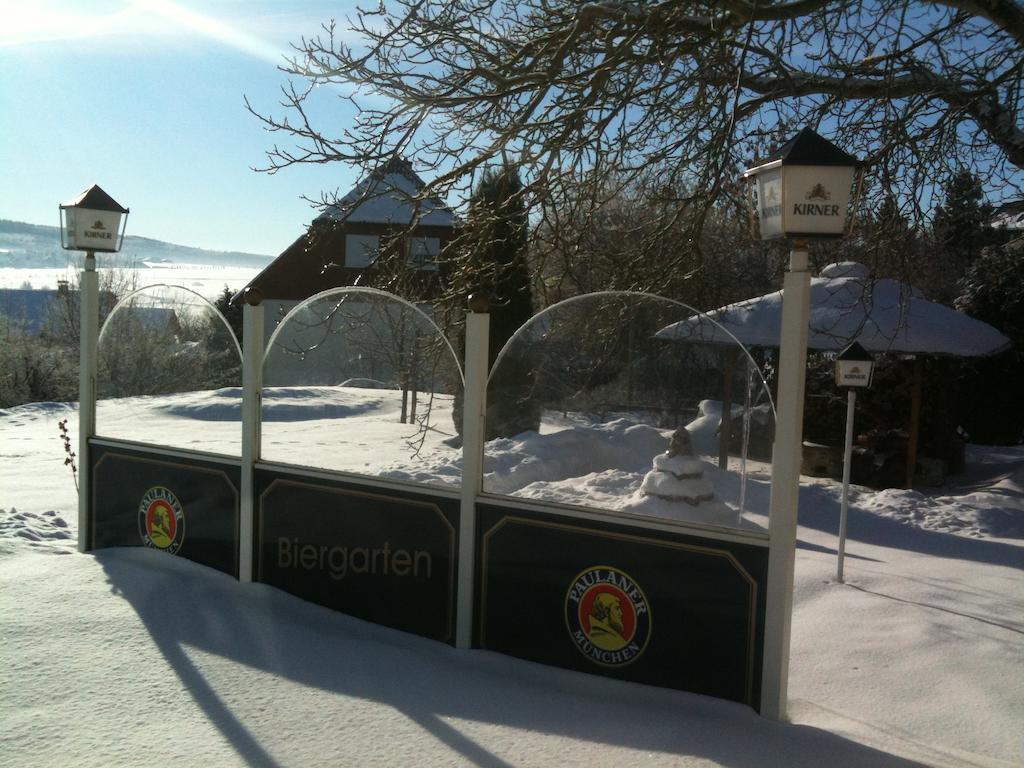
x,y
804,189
93,221
854,366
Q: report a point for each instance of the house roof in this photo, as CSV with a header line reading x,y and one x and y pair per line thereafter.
x,y
313,263
390,195
1009,216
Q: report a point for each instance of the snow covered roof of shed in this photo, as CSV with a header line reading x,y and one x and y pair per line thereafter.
x,y
390,195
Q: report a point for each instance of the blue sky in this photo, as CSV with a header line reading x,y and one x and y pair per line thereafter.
x,y
145,98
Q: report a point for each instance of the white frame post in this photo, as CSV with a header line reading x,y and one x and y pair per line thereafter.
x,y
474,408
851,401
786,454
252,389
89,320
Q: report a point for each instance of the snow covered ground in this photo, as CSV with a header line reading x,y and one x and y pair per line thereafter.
x,y
132,657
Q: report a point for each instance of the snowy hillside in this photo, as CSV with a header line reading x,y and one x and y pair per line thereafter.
x,y
37,246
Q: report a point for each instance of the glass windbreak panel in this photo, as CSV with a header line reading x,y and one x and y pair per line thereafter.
x,y
169,373
599,402
358,380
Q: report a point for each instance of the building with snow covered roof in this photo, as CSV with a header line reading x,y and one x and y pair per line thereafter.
x,y
1009,216
342,246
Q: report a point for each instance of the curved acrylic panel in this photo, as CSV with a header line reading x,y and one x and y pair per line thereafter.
x,y
169,373
589,405
358,380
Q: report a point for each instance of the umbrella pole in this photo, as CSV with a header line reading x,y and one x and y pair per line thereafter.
x,y
725,426
915,422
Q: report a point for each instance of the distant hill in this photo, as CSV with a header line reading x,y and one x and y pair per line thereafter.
x,y
36,246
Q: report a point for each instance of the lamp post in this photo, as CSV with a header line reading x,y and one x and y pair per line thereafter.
x,y
92,222
802,191
853,369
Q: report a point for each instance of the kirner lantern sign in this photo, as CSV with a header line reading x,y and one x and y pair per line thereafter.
x,y
853,367
804,189
93,221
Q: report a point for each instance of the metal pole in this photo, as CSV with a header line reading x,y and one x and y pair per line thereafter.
x,y
785,483
88,332
851,399
252,388
474,405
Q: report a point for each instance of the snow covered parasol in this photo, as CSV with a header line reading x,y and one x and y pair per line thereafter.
x,y
883,315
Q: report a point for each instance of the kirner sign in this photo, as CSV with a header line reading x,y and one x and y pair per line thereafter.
x,y
813,202
804,189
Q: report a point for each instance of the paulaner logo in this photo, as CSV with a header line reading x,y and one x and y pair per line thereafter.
x,y
608,616
161,520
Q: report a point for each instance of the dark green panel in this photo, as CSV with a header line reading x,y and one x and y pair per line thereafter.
x,y
186,507
678,611
386,556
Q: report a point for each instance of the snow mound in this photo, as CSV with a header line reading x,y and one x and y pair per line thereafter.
x,y
215,405
309,403
48,532
996,511
512,464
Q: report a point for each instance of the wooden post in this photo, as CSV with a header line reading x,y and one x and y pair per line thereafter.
x,y
474,416
252,393
782,518
88,331
915,422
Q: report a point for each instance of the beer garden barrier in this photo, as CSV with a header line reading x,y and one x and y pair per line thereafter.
x,y
251,491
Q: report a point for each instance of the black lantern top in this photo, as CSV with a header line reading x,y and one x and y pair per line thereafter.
x,y
95,199
809,148
855,353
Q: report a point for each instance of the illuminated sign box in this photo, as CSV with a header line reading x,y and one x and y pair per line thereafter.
x,y
804,190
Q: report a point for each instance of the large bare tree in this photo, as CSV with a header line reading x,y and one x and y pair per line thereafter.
x,y
673,96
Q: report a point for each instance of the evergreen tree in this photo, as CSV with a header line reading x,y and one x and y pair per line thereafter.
x,y
991,409
232,312
961,230
494,263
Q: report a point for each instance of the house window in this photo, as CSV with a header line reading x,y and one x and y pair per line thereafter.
x,y
423,252
361,250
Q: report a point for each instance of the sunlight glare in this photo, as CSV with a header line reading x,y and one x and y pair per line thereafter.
x,y
38,22
210,27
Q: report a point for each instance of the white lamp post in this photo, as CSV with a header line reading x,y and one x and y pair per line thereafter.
x,y
854,366
802,191
91,222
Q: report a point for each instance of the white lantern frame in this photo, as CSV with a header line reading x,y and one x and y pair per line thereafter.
x,y
93,222
854,367
804,190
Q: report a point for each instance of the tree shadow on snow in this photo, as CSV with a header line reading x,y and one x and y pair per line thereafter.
x,y
185,606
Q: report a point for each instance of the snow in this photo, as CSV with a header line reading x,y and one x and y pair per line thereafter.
x,y
208,281
133,657
389,197
883,315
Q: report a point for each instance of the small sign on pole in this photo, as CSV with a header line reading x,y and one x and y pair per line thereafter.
x,y
853,369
